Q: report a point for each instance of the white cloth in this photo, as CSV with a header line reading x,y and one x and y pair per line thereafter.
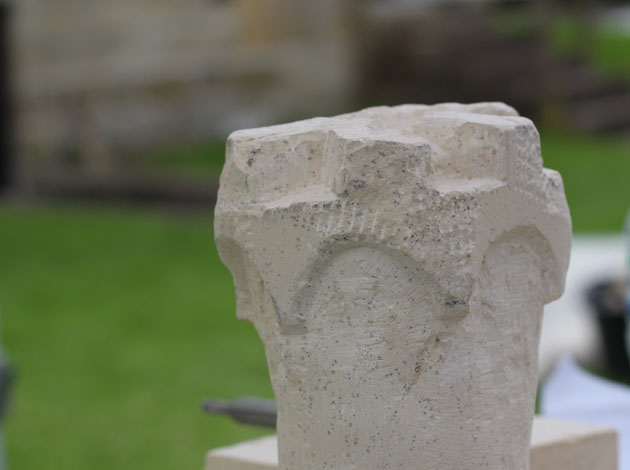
x,y
572,393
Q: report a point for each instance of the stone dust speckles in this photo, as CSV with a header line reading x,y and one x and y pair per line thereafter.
x,y
395,262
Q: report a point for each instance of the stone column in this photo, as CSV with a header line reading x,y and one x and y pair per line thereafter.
x,y
395,262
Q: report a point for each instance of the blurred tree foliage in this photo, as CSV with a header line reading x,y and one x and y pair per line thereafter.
x,y
608,49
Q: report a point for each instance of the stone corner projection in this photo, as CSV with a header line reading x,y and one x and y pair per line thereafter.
x,y
395,262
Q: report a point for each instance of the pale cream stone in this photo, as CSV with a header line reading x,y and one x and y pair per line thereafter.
x,y
395,263
559,444
257,454
555,445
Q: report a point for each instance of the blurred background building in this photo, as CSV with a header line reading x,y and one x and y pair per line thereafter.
x,y
97,86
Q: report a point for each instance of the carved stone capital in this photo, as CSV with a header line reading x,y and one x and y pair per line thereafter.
x,y
395,262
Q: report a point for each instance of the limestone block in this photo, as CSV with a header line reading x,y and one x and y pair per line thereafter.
x,y
560,444
555,445
395,263
257,454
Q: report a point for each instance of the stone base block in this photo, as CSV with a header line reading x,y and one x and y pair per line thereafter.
x,y
555,445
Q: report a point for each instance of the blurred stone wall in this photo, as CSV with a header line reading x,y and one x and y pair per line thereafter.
x,y
95,81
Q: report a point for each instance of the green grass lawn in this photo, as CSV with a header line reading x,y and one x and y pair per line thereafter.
x,y
119,322
596,174
118,325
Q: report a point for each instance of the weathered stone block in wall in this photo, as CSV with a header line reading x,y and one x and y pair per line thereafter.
x,y
395,263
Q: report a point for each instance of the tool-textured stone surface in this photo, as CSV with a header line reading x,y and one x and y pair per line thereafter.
x,y
395,263
555,445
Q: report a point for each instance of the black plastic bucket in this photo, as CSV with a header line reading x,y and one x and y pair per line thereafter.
x,y
608,303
